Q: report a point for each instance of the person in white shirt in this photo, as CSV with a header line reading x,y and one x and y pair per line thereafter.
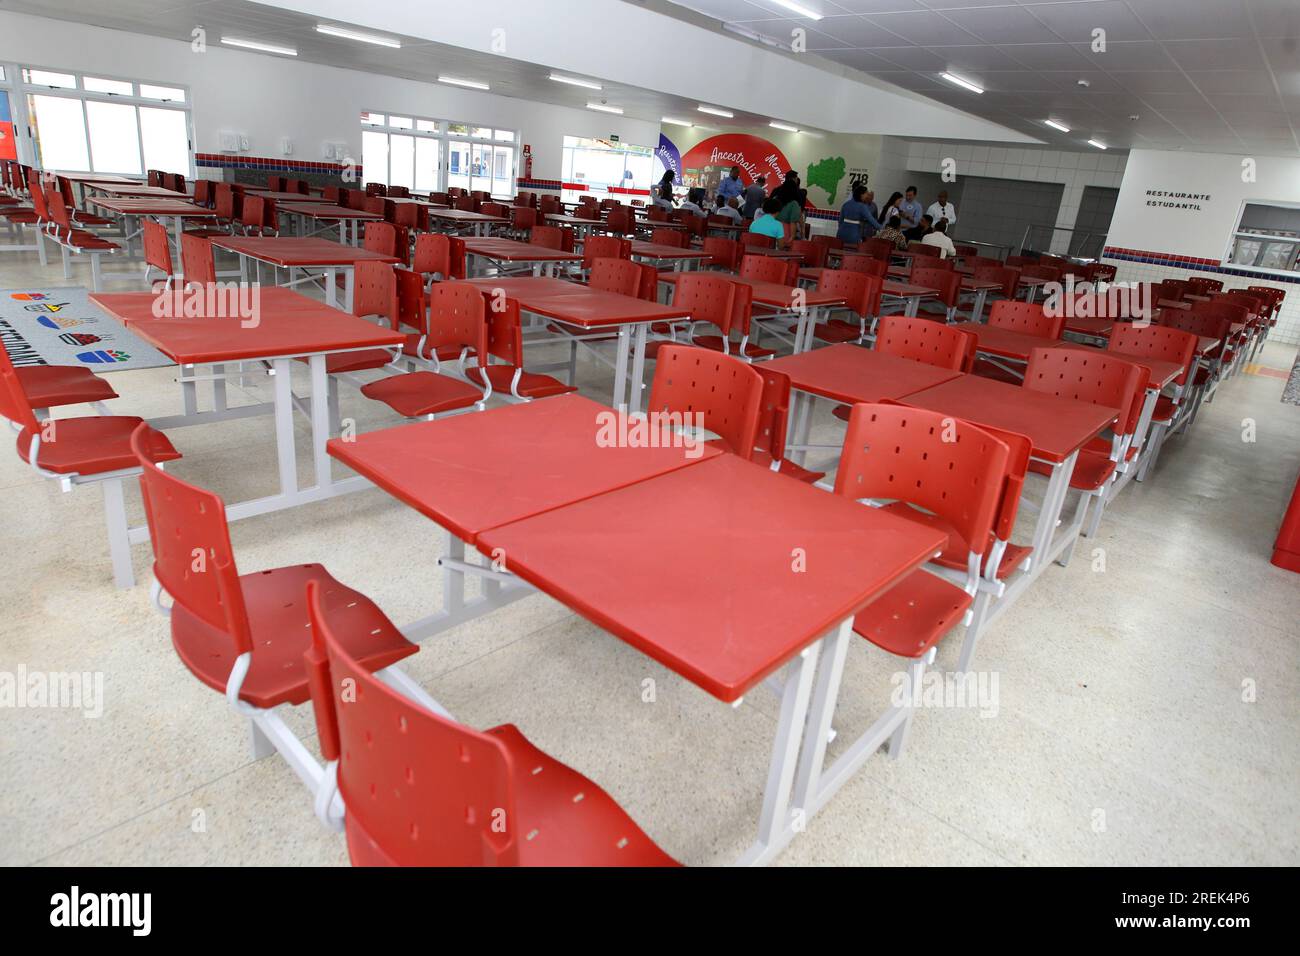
x,y
943,210
727,209
692,203
939,237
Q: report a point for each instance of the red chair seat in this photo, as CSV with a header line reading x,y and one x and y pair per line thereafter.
x,y
277,617
86,219
1202,376
1101,446
789,468
909,618
1091,469
208,233
92,446
954,552
422,393
836,331
714,343
48,386
355,361
531,384
19,215
1164,410
85,240
842,412
445,353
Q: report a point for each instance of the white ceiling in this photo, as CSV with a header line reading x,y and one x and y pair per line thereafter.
x,y
1209,75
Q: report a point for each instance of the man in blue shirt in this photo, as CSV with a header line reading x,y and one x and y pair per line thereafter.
x,y
909,210
731,185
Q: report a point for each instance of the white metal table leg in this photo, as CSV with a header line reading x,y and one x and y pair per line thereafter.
x,y
623,354
331,297
286,453
119,542
637,383
913,304
320,420
349,288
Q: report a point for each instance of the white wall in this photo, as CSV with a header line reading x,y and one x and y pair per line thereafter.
x,y
269,98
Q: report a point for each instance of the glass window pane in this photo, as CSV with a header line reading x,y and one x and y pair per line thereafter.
x,y
170,93
505,136
400,122
457,128
481,169
374,156
2,74
373,119
481,132
458,165
401,161
60,132
92,84
166,138
426,165
47,78
427,126
114,137
503,171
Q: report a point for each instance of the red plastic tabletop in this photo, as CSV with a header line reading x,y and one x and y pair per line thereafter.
x,y
148,206
771,293
1005,342
773,564
324,210
140,190
464,215
773,253
1087,325
579,305
1159,372
656,250
512,250
572,220
284,327
284,197
96,178
850,373
905,290
473,472
295,251
1057,427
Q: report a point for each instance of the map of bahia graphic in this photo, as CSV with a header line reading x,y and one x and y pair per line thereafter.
x,y
826,174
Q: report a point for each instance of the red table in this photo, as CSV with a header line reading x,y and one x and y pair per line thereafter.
x,y
283,326
807,306
460,220
347,220
295,253
585,308
584,523
1006,344
282,197
657,254
137,190
541,260
132,209
581,225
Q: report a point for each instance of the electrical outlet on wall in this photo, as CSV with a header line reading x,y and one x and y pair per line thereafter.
x,y
286,146
229,141
243,142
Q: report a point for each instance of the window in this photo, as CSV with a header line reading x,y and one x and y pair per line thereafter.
x,y
409,151
101,124
1267,237
599,165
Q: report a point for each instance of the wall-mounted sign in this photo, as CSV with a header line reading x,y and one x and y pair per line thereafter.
x,y
1165,199
613,137
669,156
754,155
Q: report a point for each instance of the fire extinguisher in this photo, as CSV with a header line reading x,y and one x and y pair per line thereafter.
x,y
528,162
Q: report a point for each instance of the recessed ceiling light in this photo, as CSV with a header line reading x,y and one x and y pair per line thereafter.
x,y
785,126
263,47
798,8
715,111
605,109
1093,142
677,122
330,30
457,81
574,81
1056,125
964,84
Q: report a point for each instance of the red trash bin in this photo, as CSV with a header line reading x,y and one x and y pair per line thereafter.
x,y
1286,550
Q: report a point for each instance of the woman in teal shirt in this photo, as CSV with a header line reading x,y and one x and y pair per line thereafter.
x,y
767,224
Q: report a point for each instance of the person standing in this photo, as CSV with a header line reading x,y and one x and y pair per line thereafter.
x,y
731,186
890,209
870,199
941,210
856,219
755,193
664,191
909,210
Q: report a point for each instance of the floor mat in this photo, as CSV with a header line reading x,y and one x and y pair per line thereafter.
x,y
61,326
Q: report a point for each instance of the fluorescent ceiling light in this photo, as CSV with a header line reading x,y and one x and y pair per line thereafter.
x,y
1056,125
574,81
964,84
715,111
456,81
330,30
677,122
798,8
1093,142
785,126
605,109
263,47
749,34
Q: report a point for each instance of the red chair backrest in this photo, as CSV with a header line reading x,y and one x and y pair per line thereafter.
x,y
878,248
769,269
251,215
722,252
708,298
669,237
157,247
405,214
1006,275
495,209
380,237
299,186
196,260
861,292
14,404
867,265
1204,285
333,194
457,317
550,205
420,789
376,189
773,412
929,460
225,201
616,275
1090,375
757,240
401,192
605,247
830,242
466,204
523,217
1031,318
726,392
1171,290
1216,326
979,262
1155,341
548,237
921,249
924,340
814,253
203,193
946,282
441,254
622,219
375,291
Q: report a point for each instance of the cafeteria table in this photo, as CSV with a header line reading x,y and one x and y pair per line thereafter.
x,y
1088,327
849,374
540,260
806,306
284,326
1001,345
460,221
583,308
84,180
298,254
658,255
347,221
136,191
550,508
132,209
1031,285
280,197
581,226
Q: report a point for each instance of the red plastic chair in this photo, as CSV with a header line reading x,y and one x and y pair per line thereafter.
x,y
861,292
452,323
867,265
1029,318
923,250
723,253
755,240
548,237
522,218
708,298
1008,277
742,319
773,424
956,473
1203,285
604,247
1212,324
1171,345
877,248
442,794
157,252
466,204
439,256
717,392
197,261
669,237
506,342
944,281
80,219
770,269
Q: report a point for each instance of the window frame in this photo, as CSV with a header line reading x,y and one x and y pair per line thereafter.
x,y
1264,238
442,133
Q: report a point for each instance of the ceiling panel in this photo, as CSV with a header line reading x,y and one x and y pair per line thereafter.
x,y
925,28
